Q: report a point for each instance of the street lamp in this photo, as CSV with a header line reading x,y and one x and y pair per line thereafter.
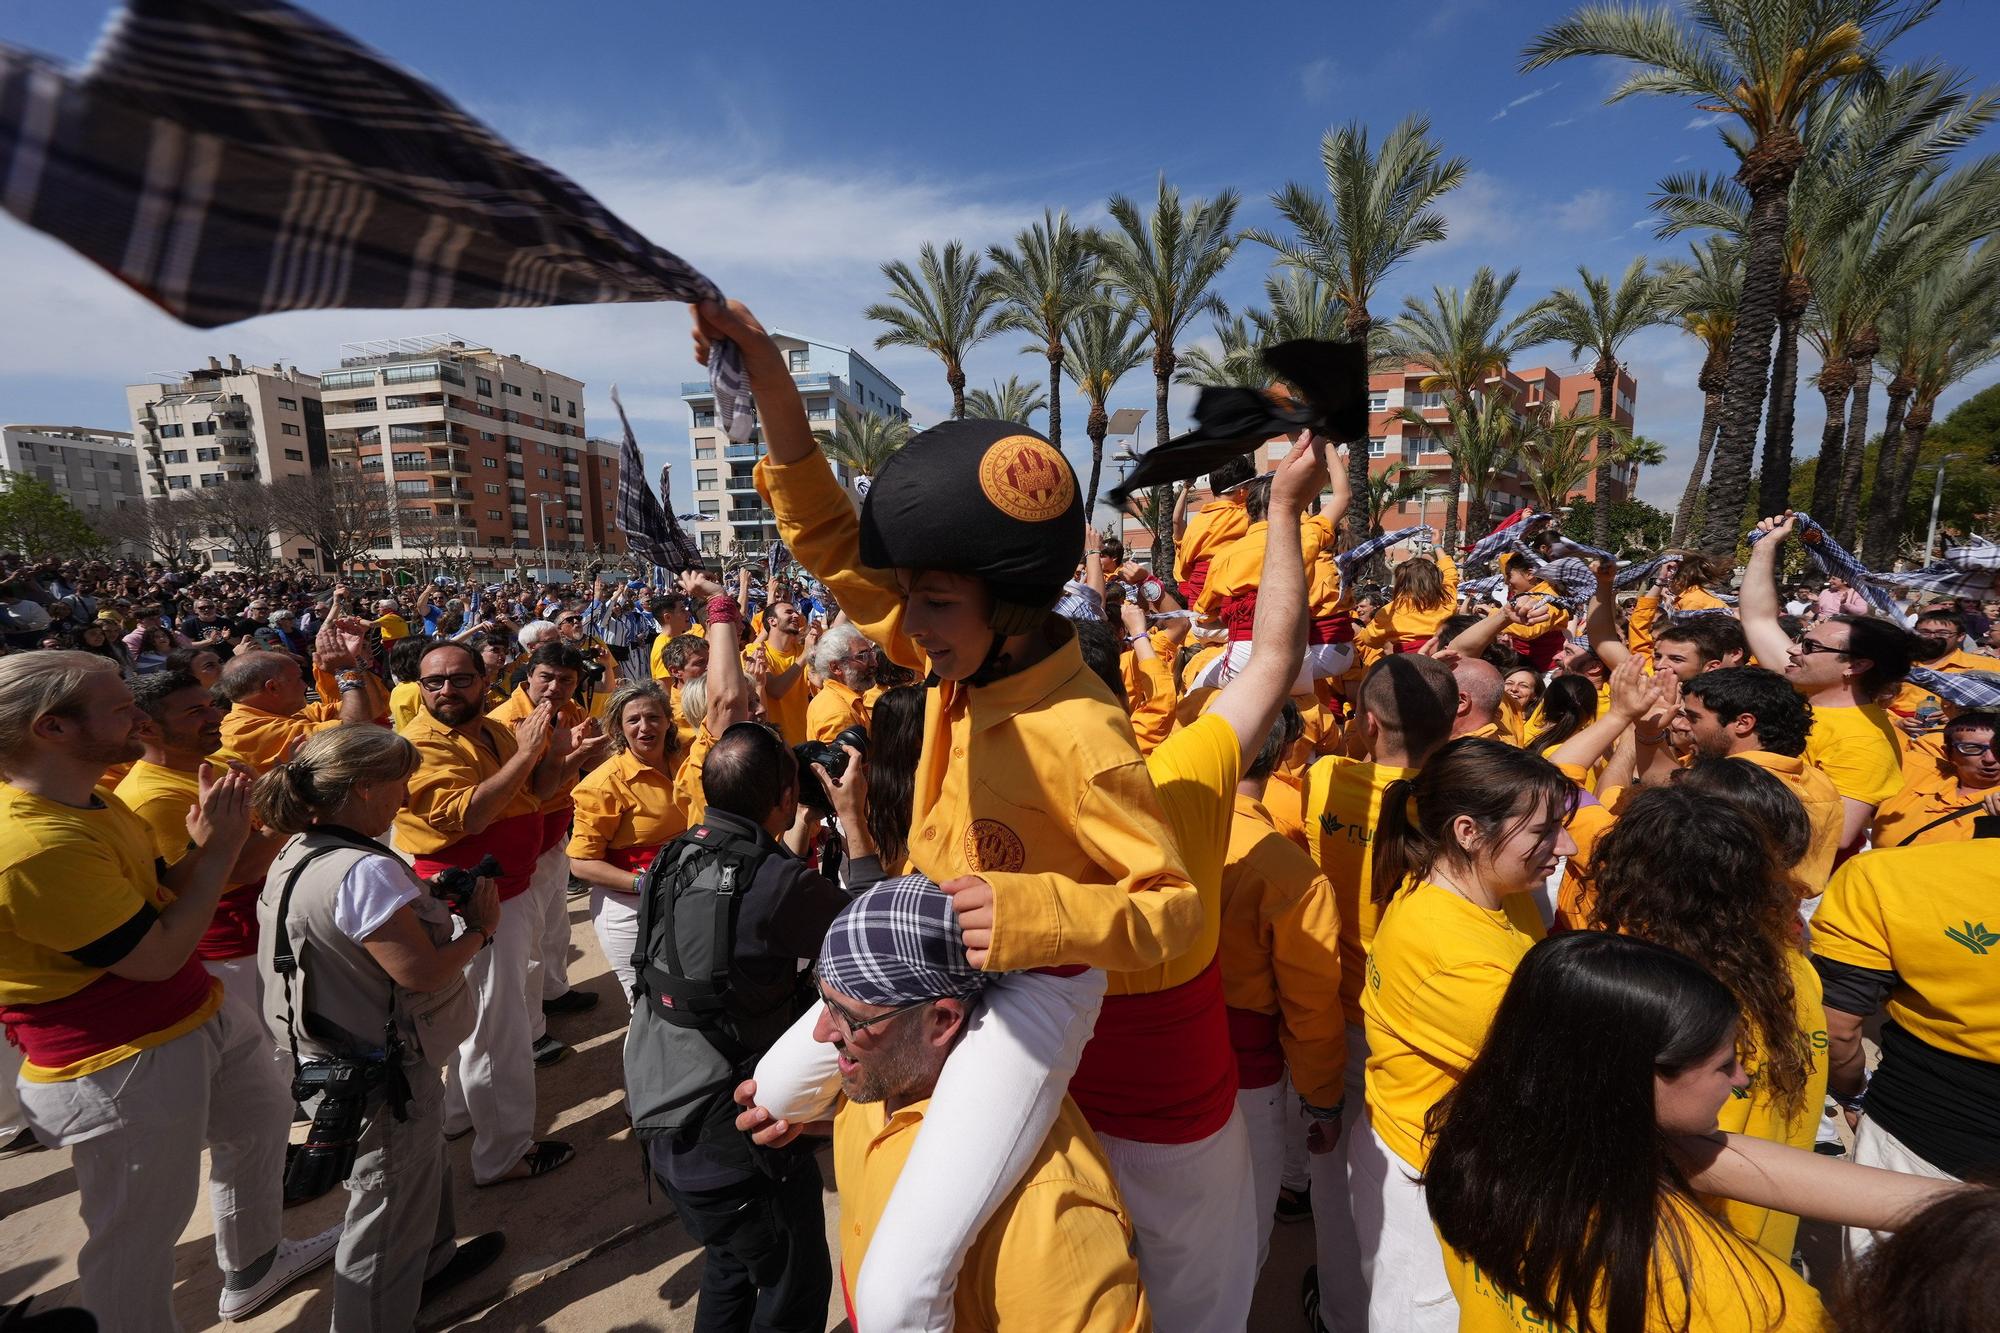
x,y
542,511
1937,497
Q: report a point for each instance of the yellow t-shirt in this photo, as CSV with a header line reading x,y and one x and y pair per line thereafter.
x,y
1194,773
1436,972
1923,799
787,712
1755,1112
69,878
404,701
689,796
1058,1253
624,802
1730,1287
1825,814
1926,913
1343,808
162,797
1858,749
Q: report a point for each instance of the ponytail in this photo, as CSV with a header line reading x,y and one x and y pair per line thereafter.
x,y
1400,848
1495,785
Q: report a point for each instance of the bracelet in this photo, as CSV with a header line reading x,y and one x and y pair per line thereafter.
x,y
638,883
349,680
722,610
1653,739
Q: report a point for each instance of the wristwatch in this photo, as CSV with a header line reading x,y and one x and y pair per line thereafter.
x,y
349,680
485,937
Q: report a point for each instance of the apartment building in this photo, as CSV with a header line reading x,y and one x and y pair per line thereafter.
x,y
485,454
224,423
729,514
95,470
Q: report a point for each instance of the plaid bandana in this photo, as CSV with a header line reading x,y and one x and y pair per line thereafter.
x,y
899,943
229,159
1966,689
1501,538
1374,546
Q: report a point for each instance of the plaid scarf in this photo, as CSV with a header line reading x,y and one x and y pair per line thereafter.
x,y
1374,546
1833,558
651,532
1501,538
230,159
1967,689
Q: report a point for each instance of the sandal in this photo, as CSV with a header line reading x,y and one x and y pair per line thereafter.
x,y
543,1158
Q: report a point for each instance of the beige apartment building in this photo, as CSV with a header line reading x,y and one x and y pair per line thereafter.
x,y
485,454
95,470
223,423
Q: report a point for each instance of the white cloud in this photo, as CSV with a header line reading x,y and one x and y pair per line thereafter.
x,y
1483,212
1523,100
1643,222
1703,122
1566,120
1684,157
1586,210
1317,79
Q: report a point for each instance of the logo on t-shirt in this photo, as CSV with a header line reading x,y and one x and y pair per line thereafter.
x,y
1974,936
991,845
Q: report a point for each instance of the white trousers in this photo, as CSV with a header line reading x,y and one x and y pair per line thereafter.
x,y
135,1133
989,1115
12,1121
1346,1256
1295,1177
616,919
548,937
1321,660
1876,1146
490,1084
1408,1291
1266,1113
1191,1206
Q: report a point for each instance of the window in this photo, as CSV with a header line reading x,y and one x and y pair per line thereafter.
x,y
482,386
396,400
412,462
704,417
212,478
287,428
493,514
710,508
347,379
702,451
488,436
1378,401
295,455
489,462
1378,446
542,472
819,407
289,404
1586,403
538,398
175,455
493,488
170,432
178,483
704,483
357,405
205,427
797,358
570,411
514,389
413,487
517,496
208,455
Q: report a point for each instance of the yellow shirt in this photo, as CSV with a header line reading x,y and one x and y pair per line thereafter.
x,y
515,710
1280,949
1910,697
1754,1111
787,711
68,878
1929,797
404,701
1824,813
1032,783
624,802
1927,914
1209,530
162,797
689,796
1193,772
1857,748
1058,1253
1403,619
1238,570
450,764
833,710
1436,972
1730,1287
1150,697
1343,807
260,739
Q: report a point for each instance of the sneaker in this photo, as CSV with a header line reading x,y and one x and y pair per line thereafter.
x,y
1294,1205
472,1258
1309,1299
576,888
23,1141
547,1051
571,1002
295,1258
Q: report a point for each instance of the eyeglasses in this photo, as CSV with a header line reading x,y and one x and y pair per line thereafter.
x,y
1972,749
853,1023
1807,647
458,680
572,620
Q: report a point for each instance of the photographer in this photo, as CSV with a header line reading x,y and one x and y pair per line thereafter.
x,y
377,994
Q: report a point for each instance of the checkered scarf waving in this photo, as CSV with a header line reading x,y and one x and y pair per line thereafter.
x,y
653,534
1833,558
1967,689
229,159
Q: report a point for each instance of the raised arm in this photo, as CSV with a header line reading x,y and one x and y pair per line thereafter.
x,y
1758,603
1633,695
728,685
1600,626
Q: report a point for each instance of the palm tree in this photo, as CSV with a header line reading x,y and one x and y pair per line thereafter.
x,y
1163,264
1560,449
944,308
1016,400
1301,307
1600,319
1484,439
1102,345
1394,485
1043,283
1384,208
1766,63
1702,295
861,442
1237,362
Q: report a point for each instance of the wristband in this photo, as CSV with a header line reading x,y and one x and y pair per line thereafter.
x,y
638,883
1653,739
722,610
349,680
1324,1113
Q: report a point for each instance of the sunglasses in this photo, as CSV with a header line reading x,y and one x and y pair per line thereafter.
x,y
1807,647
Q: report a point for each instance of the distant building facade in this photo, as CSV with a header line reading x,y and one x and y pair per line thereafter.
x,y
95,470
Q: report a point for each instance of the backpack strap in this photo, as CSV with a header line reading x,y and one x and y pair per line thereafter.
x,y
1959,813
684,1000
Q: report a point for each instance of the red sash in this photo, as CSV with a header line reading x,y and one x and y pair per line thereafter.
x,y
1336,628
1159,1069
1238,613
1414,644
513,841
233,931
555,826
1542,652
110,1012
636,858
1196,580
1260,1061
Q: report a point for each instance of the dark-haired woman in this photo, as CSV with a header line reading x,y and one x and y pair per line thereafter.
x,y
1482,822
1569,704
1727,898
896,738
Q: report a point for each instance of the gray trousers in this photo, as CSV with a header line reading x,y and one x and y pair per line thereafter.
x,y
400,1228
135,1133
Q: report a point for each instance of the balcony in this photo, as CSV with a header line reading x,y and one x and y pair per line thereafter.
x,y
232,414
742,452
243,469
696,389
752,516
743,485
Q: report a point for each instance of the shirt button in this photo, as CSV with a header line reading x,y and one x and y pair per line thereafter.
x,y
929,833
958,752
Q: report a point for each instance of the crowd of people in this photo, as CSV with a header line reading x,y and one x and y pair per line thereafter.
x,y
1551,940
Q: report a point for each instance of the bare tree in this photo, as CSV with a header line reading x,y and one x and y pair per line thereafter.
x,y
433,537
239,515
344,512
165,527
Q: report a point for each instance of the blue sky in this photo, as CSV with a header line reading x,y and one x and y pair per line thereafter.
x,y
789,149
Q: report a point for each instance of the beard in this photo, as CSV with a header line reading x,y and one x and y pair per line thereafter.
x,y
454,712
897,1066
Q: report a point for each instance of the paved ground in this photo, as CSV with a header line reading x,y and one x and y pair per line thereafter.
x,y
586,1249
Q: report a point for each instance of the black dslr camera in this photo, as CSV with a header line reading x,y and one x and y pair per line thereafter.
x,y
831,756
455,884
343,1088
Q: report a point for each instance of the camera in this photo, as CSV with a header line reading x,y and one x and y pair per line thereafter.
x,y
455,884
831,756
343,1087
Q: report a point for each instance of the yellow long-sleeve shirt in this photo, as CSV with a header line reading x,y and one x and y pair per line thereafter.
x,y
1403,620
1032,782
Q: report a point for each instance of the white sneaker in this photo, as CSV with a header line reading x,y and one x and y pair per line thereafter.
x,y
295,1258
